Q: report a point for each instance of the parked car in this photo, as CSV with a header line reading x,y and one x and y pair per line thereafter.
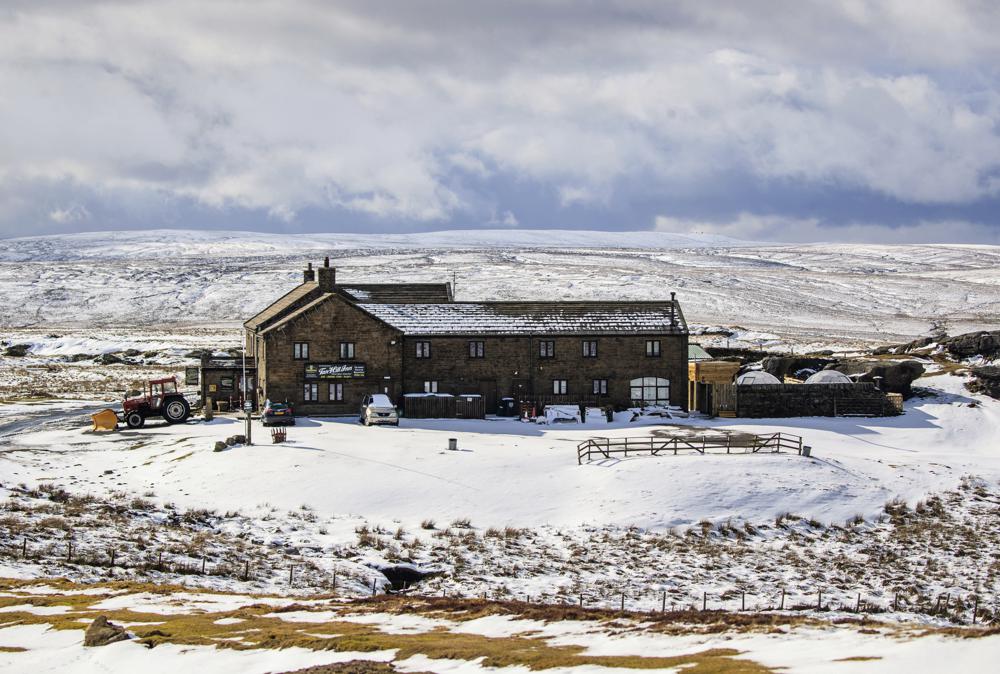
x,y
376,408
277,414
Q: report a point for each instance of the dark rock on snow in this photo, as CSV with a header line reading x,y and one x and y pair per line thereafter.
x,y
17,350
896,377
986,380
779,366
102,632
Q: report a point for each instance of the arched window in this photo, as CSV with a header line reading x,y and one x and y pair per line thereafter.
x,y
650,390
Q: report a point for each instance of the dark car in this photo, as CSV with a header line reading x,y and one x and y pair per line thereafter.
x,y
277,414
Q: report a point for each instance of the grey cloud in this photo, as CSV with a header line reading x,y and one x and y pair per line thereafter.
x,y
401,116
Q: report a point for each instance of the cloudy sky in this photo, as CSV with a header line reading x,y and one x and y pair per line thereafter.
x,y
857,120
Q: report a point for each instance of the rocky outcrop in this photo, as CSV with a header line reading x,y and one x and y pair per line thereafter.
x,y
103,632
985,344
17,350
896,377
986,380
800,368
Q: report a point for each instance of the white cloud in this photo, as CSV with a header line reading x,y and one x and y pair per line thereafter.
x,y
311,105
70,214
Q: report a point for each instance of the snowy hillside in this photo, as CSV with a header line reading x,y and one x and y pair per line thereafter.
x,y
837,292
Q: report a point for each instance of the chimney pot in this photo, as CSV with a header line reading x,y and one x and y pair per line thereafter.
x,y
308,276
326,261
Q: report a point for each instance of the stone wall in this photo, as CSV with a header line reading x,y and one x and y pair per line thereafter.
x,y
811,400
511,366
324,328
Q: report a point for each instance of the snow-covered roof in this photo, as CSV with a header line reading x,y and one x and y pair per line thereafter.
x,y
398,293
525,318
829,377
757,377
284,305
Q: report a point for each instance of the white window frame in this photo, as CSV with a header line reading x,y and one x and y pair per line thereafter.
x,y
336,392
300,350
310,392
650,390
423,349
347,350
652,348
600,387
560,387
547,348
589,348
477,349
430,386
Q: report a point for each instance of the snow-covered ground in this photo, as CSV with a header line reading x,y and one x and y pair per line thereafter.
x,y
508,473
810,295
234,633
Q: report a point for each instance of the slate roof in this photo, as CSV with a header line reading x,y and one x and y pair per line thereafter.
x,y
285,304
399,293
526,318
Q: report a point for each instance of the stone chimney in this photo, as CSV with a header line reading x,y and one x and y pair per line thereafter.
x,y
326,276
308,276
673,310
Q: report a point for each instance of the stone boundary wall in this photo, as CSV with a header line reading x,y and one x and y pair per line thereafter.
x,y
812,400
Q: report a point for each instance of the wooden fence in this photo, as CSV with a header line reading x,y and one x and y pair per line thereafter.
x,y
704,444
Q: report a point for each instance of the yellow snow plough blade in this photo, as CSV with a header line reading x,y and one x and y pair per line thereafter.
x,y
105,420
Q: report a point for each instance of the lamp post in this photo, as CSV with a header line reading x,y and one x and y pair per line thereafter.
x,y
246,400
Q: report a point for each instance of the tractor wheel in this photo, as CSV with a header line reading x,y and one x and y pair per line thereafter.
x,y
135,420
176,410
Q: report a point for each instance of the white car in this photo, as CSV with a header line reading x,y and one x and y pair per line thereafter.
x,y
376,408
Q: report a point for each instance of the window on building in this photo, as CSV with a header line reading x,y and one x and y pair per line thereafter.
x,y
310,393
336,393
423,349
650,390
600,387
559,387
346,350
546,349
590,348
430,387
653,348
477,349
300,350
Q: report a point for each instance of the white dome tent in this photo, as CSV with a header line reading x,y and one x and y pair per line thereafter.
x,y
829,377
756,377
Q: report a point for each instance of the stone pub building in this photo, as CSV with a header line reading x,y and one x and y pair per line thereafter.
x,y
326,343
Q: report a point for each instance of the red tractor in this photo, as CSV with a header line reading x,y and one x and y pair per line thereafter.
x,y
161,399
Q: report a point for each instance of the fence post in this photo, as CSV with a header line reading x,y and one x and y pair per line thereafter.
x,y
246,570
623,601
819,601
374,580
975,608
291,573
743,601
159,561
782,608
895,602
663,606
335,579
24,548
203,565
69,550
857,607
112,556
704,601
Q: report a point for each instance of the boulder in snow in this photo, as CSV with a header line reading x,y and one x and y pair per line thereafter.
x,y
103,632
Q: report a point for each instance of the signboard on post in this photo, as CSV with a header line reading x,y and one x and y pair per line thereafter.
x,y
335,371
192,376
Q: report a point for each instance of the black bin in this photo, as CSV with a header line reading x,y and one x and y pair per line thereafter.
x,y
507,408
